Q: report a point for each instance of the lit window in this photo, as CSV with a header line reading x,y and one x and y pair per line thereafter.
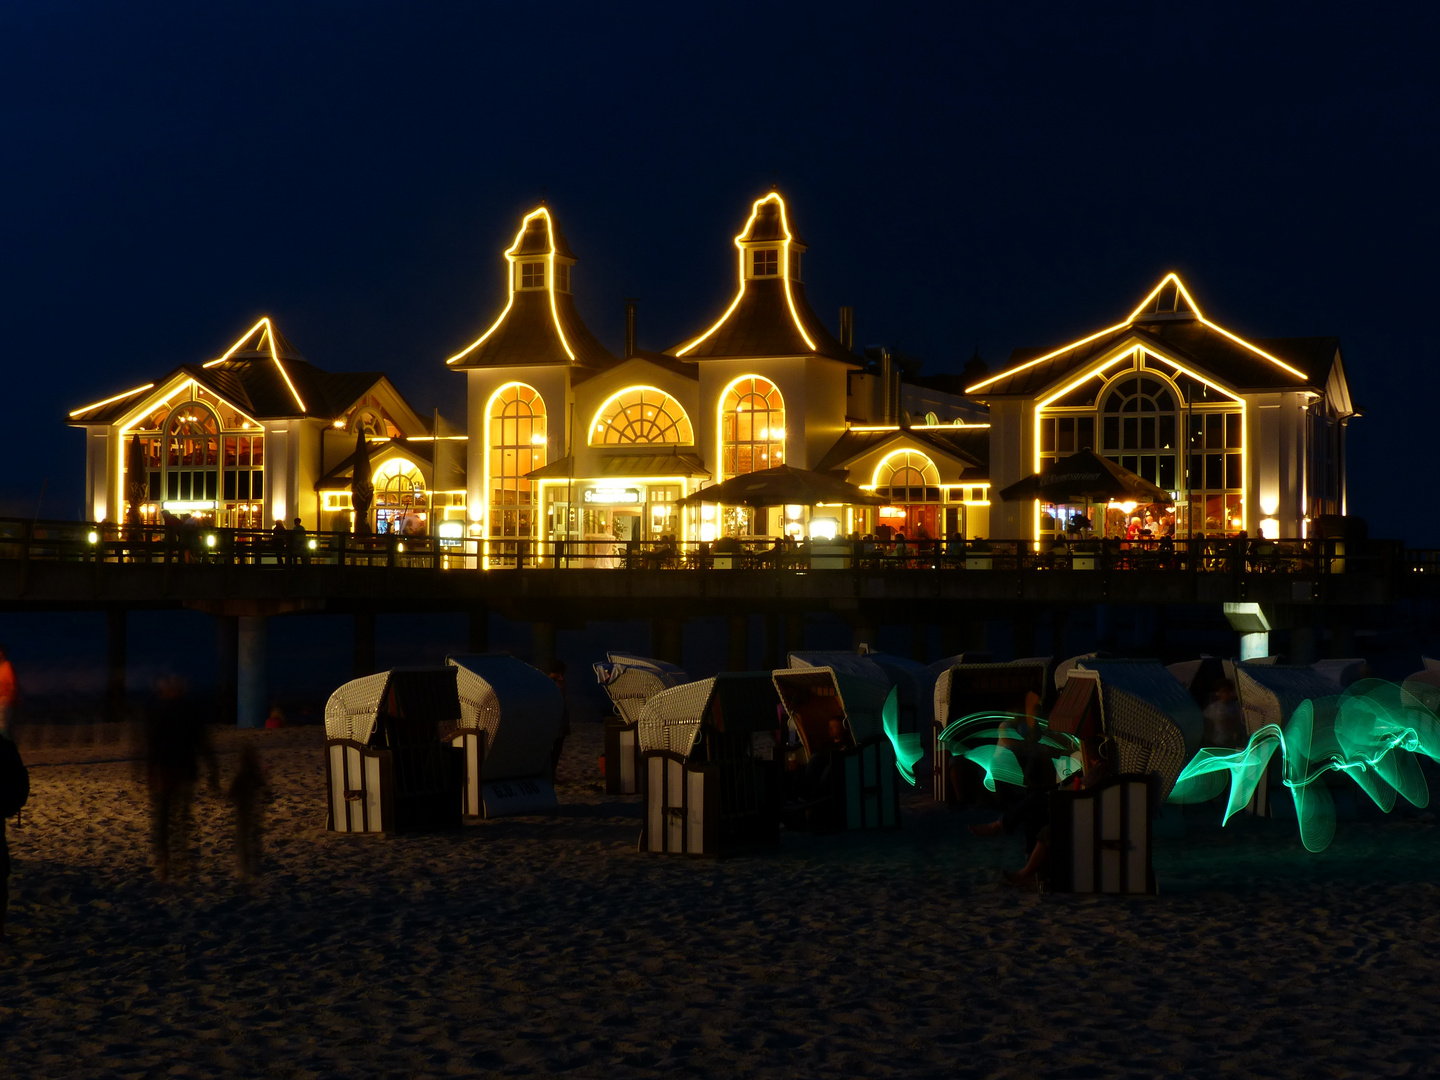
x,y
517,434
532,275
639,415
752,427
767,262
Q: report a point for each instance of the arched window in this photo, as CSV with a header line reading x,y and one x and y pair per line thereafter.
x,y
1139,428
641,415
517,446
192,454
908,477
752,427
399,488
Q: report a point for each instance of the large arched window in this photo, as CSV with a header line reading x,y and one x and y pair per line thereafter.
x,y
752,426
516,438
908,476
399,497
1139,428
192,454
641,415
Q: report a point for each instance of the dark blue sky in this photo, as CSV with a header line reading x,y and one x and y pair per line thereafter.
x,y
1008,177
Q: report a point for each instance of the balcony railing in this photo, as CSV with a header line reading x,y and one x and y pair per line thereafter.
x,y
52,541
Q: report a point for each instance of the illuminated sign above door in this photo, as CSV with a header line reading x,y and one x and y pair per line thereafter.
x,y
611,496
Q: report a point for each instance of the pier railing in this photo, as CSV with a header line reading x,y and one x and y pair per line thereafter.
x,y
56,541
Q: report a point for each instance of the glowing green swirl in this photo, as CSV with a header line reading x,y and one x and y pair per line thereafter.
x,y
1371,732
907,747
987,738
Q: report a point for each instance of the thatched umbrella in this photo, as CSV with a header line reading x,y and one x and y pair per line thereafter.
x,y
362,484
137,484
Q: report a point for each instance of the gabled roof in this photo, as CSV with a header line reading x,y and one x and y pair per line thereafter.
x,y
262,375
538,326
684,368
1169,320
969,445
769,316
340,476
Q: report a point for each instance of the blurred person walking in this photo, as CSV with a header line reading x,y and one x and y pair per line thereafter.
x,y
175,743
248,792
14,794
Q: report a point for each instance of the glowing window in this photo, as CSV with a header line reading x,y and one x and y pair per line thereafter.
x,y
640,415
517,435
752,426
767,262
909,477
192,454
532,275
1139,430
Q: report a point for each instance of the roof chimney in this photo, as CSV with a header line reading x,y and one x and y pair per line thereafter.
x,y
847,328
630,304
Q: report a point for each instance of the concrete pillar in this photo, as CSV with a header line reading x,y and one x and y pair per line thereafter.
x,y
1302,645
770,652
542,644
667,639
1022,625
920,641
862,632
364,644
115,661
738,627
227,666
1254,644
794,631
479,630
252,704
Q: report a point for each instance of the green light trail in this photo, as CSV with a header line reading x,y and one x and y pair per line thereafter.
x,y
908,749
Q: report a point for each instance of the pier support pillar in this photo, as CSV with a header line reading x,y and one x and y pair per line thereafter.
x,y
115,660
964,636
862,632
738,634
920,641
1022,626
227,667
1252,623
542,645
364,644
479,630
1302,644
1342,635
794,632
252,637
770,658
667,640
1107,637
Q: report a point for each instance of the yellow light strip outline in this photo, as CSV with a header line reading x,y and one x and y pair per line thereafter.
x,y
875,474
186,384
510,258
268,338
485,471
112,400
774,197
1169,278
595,420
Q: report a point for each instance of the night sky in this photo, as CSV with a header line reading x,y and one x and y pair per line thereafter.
x,y
1009,177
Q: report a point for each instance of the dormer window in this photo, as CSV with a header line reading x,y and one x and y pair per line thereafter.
x,y
795,266
562,277
767,262
532,275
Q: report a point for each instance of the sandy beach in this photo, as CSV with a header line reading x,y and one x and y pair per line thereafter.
x,y
547,945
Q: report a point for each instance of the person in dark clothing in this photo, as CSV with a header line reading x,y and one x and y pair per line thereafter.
x,y
280,541
300,542
14,793
176,742
248,791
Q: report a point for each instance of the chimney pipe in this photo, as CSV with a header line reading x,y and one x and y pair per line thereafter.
x,y
631,302
885,417
847,328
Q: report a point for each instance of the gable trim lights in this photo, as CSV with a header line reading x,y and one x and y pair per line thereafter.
x,y
784,268
111,400
1171,278
267,339
510,257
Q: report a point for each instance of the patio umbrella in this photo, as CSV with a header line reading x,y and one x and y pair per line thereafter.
x,y
1087,477
783,486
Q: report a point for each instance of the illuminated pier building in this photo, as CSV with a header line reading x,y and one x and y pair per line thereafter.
x,y
566,441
